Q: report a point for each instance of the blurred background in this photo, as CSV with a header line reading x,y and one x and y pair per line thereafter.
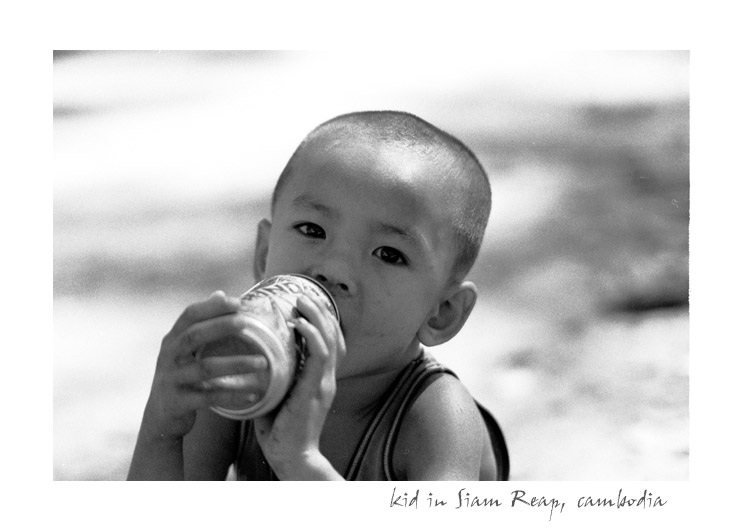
x,y
165,161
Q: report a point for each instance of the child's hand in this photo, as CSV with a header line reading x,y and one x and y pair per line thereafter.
x,y
290,438
179,387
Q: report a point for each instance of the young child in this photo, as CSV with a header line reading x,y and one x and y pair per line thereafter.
x,y
388,213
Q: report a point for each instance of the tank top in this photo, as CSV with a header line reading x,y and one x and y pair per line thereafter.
x,y
373,457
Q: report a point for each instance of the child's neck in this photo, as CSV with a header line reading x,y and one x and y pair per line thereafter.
x,y
359,395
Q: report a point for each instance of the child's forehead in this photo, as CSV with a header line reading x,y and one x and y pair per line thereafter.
x,y
383,164
375,183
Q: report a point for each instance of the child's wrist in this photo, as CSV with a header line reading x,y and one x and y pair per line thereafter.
x,y
157,438
308,466
152,432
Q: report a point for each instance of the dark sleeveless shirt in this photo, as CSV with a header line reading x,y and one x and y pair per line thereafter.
x,y
373,457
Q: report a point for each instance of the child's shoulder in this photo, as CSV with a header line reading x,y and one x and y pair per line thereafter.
x,y
441,435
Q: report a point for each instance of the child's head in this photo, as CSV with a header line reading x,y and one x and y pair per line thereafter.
x,y
469,185
388,212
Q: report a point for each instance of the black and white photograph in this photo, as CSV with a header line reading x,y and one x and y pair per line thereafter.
x,y
491,250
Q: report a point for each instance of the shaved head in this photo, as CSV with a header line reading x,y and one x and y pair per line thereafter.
x,y
466,188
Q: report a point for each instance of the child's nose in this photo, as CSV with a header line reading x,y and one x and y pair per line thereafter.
x,y
335,273
332,286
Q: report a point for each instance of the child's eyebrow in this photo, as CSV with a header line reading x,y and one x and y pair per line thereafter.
x,y
412,237
308,202
387,228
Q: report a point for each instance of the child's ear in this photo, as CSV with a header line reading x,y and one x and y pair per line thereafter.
x,y
449,316
262,249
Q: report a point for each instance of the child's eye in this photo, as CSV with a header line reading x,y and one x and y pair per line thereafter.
x,y
311,230
390,256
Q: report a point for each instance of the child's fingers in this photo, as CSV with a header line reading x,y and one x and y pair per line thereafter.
x,y
232,399
192,400
219,367
319,370
235,382
324,321
216,366
191,339
217,304
340,342
316,313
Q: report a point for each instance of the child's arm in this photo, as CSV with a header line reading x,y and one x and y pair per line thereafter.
x,y
290,439
210,447
441,437
177,391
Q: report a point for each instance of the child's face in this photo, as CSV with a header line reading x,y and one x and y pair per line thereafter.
x,y
372,224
